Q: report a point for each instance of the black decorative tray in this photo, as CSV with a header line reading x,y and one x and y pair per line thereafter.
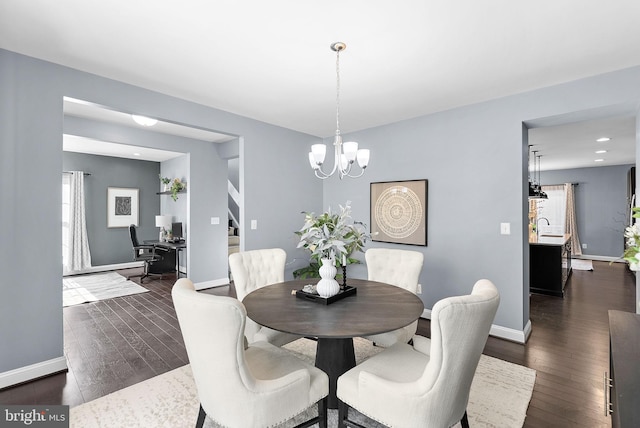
x,y
314,297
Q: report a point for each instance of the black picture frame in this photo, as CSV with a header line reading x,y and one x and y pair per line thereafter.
x,y
399,212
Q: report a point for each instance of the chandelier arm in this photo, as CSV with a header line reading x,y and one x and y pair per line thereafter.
x,y
357,176
323,176
320,172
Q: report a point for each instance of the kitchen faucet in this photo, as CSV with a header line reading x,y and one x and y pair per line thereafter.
x,y
538,223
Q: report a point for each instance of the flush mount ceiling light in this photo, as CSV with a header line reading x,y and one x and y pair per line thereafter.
x,y
603,139
345,153
601,151
143,120
599,160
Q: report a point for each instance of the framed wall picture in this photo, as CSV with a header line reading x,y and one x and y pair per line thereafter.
x,y
122,207
399,212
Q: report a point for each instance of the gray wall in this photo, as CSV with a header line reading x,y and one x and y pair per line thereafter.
x,y
31,162
601,201
113,245
178,209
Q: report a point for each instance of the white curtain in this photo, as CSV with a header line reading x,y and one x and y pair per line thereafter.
x,y
75,243
571,225
560,209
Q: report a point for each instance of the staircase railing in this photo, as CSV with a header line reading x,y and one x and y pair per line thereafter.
x,y
235,197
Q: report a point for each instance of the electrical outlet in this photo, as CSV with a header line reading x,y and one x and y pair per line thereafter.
x,y
419,288
584,246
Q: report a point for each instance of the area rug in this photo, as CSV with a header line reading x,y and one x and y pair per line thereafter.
x,y
91,288
499,397
581,264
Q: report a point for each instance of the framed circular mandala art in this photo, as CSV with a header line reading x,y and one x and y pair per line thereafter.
x,y
399,212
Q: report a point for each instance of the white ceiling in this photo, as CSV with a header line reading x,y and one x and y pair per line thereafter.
x,y
574,145
271,60
78,144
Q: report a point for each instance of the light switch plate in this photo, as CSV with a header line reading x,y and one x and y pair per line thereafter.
x,y
505,228
215,220
254,224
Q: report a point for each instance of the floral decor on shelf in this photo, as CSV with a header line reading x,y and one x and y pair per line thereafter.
x,y
174,186
332,236
165,181
632,249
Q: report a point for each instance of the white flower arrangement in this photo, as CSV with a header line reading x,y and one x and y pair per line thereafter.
x,y
632,250
333,236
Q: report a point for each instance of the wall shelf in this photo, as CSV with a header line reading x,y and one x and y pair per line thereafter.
x,y
169,192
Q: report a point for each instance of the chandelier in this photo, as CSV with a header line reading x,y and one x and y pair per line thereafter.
x,y
347,153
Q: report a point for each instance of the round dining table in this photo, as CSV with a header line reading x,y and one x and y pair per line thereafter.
x,y
375,308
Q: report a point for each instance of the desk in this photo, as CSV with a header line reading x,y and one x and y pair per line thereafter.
x,y
376,308
177,247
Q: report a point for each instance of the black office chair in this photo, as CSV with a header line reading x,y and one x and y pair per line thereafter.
x,y
145,253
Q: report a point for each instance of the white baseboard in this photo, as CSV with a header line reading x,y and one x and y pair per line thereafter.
x,y
210,284
106,268
599,258
510,334
34,371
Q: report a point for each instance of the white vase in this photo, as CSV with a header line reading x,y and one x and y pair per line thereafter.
x,y
328,286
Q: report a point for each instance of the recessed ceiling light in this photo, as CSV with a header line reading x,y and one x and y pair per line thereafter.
x,y
603,139
136,154
601,151
143,120
599,160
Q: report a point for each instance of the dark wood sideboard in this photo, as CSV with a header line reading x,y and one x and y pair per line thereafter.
x,y
622,386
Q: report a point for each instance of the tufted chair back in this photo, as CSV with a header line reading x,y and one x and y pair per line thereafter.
x,y
256,268
252,270
460,326
400,268
397,267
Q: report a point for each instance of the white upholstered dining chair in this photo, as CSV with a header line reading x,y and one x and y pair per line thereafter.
x,y
400,268
425,385
254,269
260,386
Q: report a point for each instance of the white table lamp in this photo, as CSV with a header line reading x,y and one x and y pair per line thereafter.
x,y
164,223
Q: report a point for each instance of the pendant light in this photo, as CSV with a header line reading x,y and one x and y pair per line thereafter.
x,y
345,154
535,189
532,190
541,193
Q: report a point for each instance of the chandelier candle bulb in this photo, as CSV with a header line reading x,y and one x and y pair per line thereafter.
x,y
363,158
350,149
318,151
312,161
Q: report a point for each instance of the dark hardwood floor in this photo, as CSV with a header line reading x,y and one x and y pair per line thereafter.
x,y
116,343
